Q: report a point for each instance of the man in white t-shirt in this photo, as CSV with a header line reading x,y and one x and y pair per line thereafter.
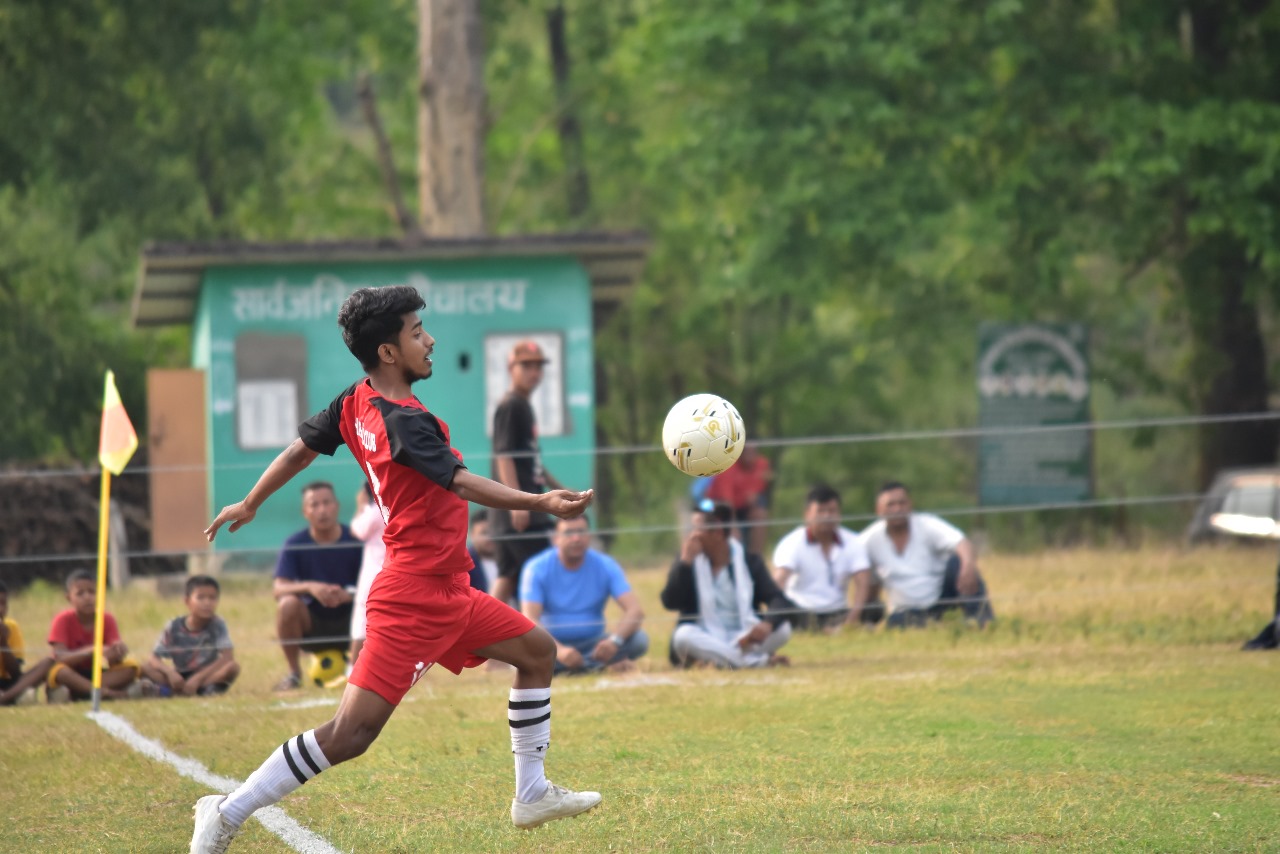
x,y
925,565
815,563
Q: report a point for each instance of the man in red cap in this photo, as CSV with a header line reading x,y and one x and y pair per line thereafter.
x,y
519,534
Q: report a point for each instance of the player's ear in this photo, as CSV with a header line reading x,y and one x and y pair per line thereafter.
x,y
386,354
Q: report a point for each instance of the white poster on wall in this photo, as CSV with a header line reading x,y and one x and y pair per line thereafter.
x,y
548,399
266,413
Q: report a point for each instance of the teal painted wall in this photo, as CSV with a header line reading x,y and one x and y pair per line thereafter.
x,y
470,304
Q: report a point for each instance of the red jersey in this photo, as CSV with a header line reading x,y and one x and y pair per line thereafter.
x,y
404,451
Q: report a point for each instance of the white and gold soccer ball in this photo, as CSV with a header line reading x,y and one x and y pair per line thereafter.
x,y
703,435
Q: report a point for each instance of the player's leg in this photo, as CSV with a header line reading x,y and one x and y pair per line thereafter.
x,y
533,653
360,718
293,623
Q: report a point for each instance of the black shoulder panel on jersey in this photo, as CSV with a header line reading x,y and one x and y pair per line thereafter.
x,y
321,432
415,440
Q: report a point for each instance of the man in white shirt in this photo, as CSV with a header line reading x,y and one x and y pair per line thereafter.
x,y
925,565
815,563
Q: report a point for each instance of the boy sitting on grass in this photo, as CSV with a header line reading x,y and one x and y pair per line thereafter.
x,y
13,681
198,644
71,640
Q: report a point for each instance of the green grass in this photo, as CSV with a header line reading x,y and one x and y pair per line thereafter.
x,y
1110,709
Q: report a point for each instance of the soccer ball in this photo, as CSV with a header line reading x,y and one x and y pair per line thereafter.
x,y
327,664
703,435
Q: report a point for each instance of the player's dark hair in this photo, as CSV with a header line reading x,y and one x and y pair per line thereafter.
x,y
319,484
891,485
80,575
481,515
821,493
4,588
197,581
371,317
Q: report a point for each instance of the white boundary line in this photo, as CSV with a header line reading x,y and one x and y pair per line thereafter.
x,y
273,818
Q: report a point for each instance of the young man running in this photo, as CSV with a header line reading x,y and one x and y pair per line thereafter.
x,y
422,608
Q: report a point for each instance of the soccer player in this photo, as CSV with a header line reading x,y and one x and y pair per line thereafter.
x,y
421,609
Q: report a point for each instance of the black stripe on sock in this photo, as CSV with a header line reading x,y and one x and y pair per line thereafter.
x,y
293,766
306,757
528,704
529,722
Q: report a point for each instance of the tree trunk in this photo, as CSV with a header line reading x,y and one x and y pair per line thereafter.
x,y
451,118
577,185
1229,359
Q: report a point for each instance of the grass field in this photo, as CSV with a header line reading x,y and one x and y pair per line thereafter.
x,y
1109,709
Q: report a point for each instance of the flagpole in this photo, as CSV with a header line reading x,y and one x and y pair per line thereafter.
x,y
100,608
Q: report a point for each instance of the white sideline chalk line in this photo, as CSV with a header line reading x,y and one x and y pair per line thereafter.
x,y
273,818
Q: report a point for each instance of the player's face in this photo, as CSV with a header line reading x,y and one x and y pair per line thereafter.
x,y
320,509
573,538
822,517
415,346
893,505
202,602
83,596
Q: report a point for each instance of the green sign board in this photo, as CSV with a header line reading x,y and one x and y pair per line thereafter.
x,y
268,338
1033,376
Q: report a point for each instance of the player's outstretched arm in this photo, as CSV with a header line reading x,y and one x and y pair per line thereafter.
x,y
283,468
560,502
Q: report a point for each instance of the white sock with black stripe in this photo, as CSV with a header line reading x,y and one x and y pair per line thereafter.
x,y
292,764
529,716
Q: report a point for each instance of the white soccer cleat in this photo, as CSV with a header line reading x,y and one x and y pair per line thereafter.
x,y
213,833
558,802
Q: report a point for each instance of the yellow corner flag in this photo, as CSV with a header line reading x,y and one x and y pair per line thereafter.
x,y
118,439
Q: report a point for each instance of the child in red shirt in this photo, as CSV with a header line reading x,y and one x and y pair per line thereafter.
x,y
71,640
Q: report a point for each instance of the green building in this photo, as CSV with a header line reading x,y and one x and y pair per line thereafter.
x,y
267,353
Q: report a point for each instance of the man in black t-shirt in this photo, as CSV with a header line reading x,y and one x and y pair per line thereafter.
x,y
519,534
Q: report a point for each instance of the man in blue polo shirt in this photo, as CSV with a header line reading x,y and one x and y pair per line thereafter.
x,y
315,582
566,589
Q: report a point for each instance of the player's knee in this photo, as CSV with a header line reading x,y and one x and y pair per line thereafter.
x,y
347,741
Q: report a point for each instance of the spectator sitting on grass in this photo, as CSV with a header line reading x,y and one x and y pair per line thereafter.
x,y
717,588
926,565
566,589
198,645
815,563
71,639
315,582
13,680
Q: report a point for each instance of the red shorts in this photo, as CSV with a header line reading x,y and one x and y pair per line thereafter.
x,y
413,621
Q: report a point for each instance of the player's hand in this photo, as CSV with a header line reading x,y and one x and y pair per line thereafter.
x,y
237,514
115,653
564,503
519,520
692,547
178,685
570,658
